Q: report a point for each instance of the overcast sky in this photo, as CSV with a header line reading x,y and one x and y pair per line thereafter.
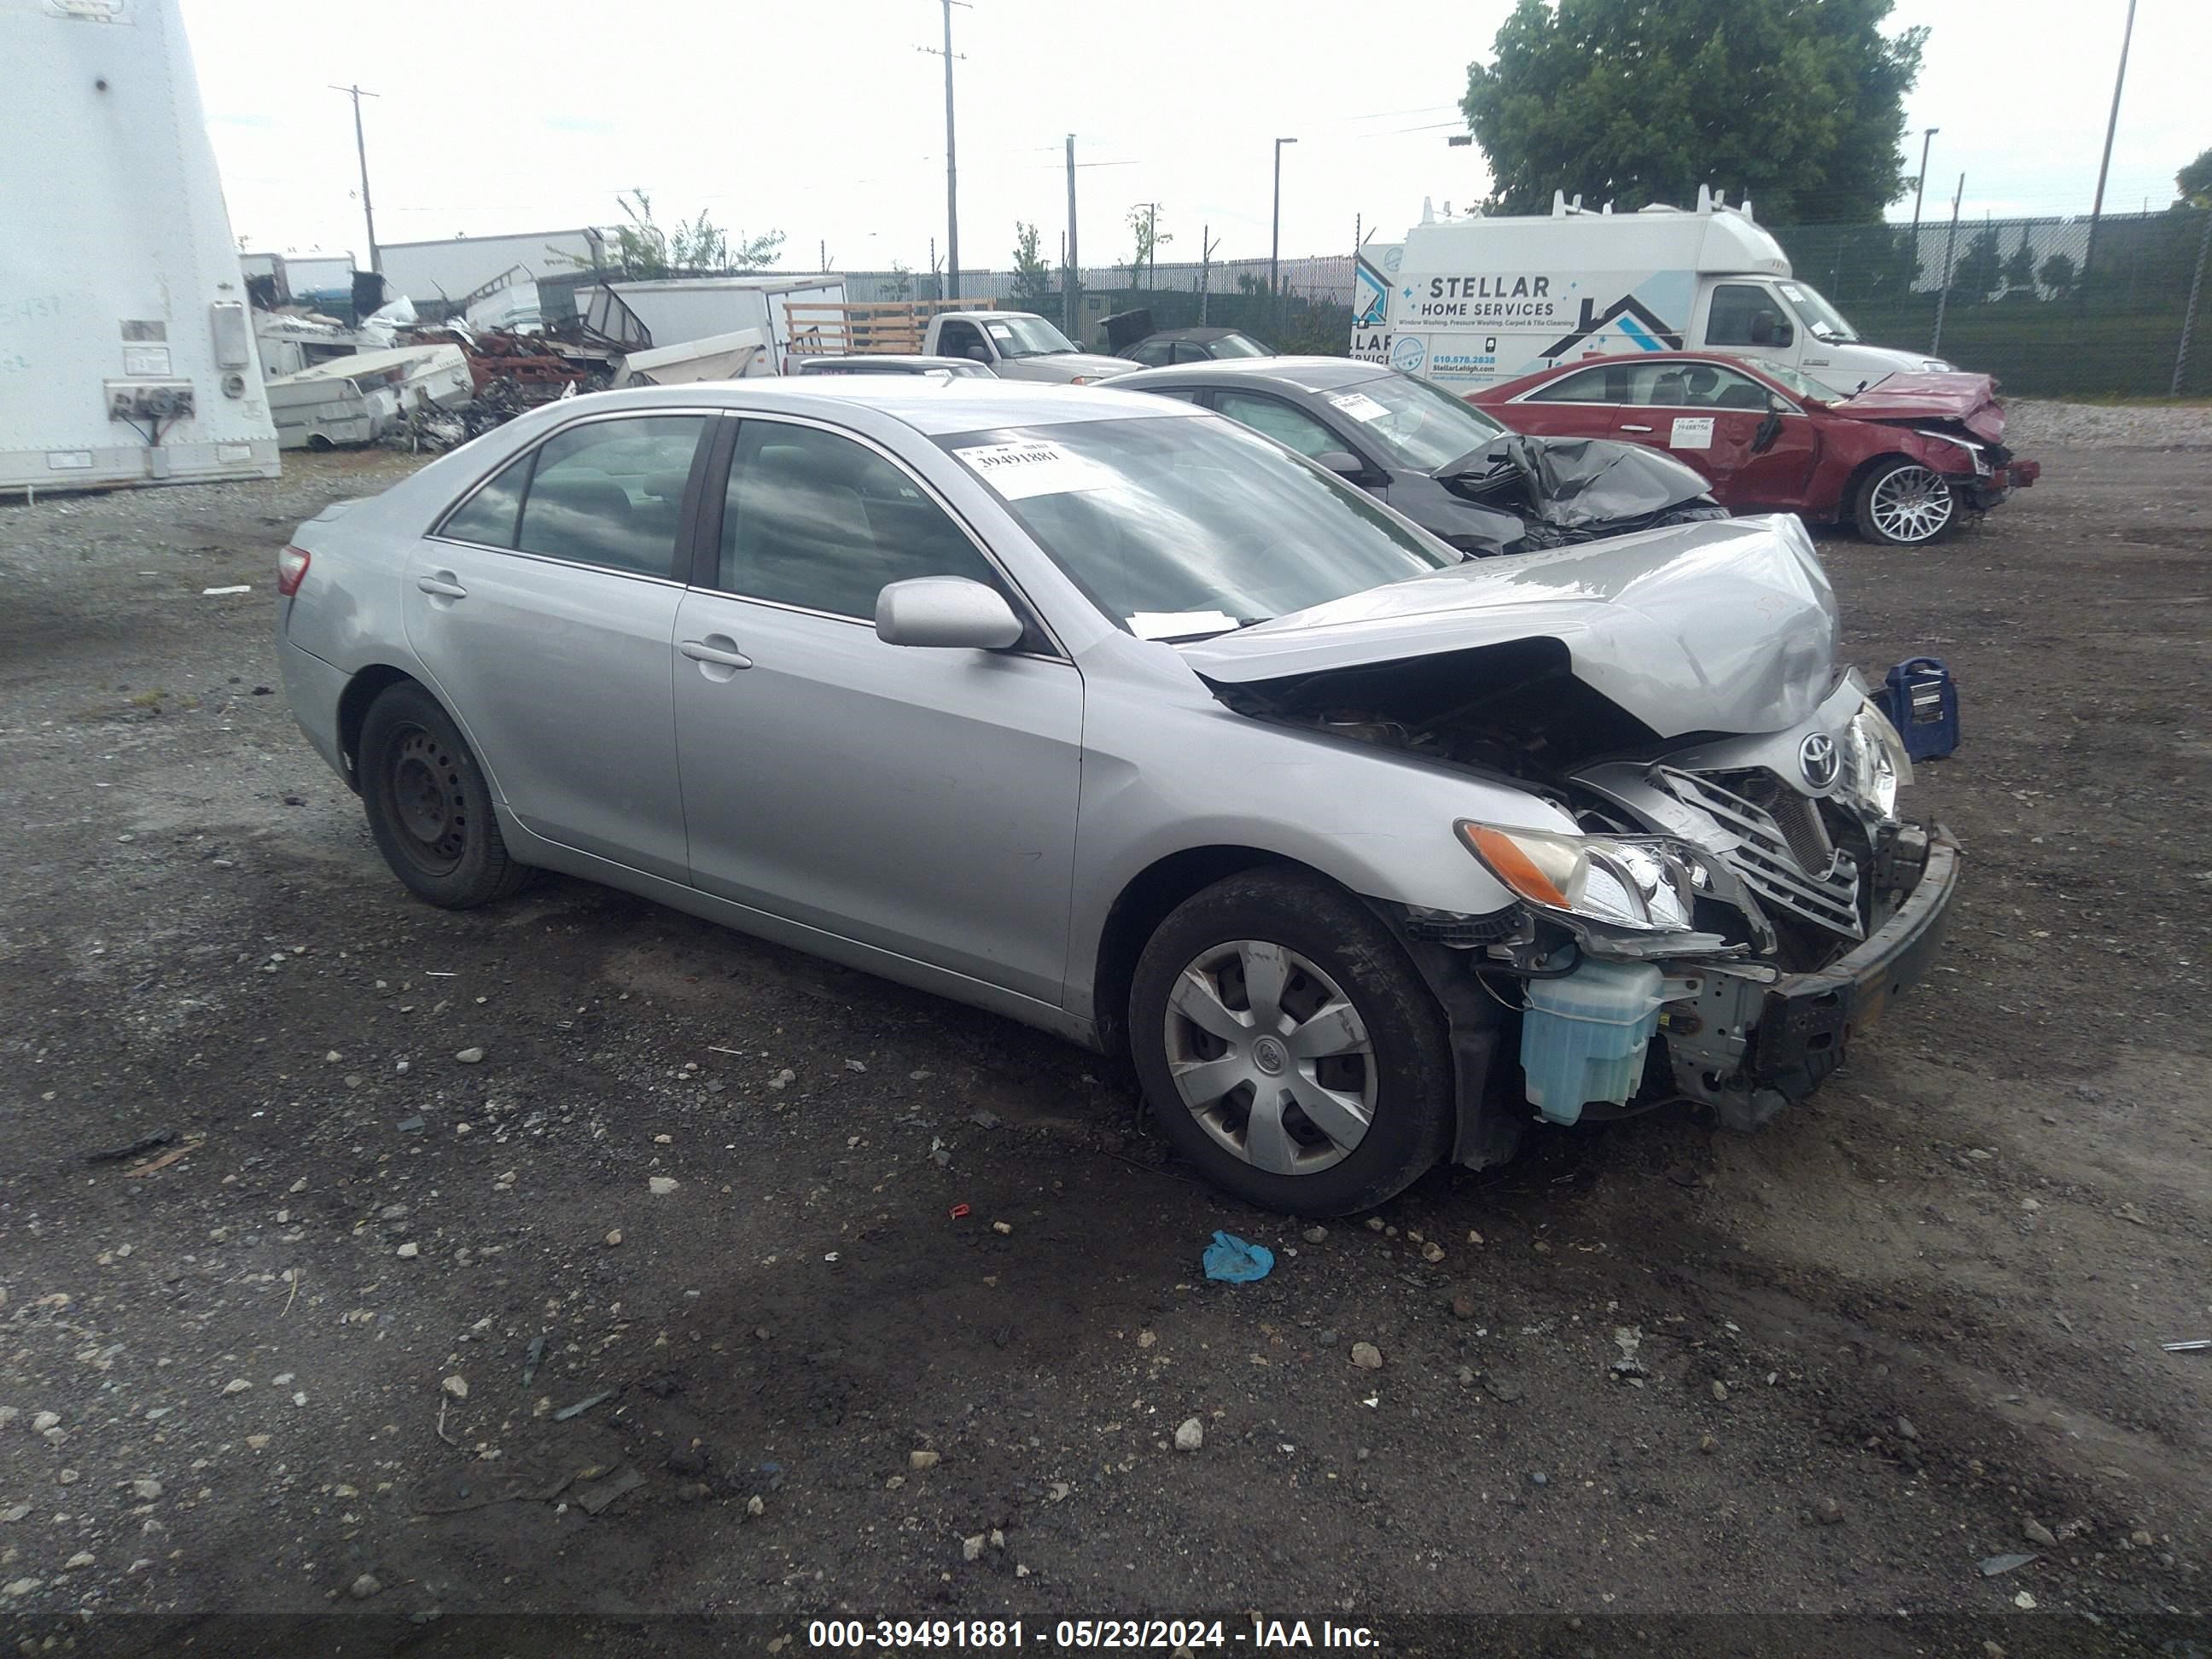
x,y
823,119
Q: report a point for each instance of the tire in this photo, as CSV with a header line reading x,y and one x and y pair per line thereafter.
x,y
428,805
1902,503
1203,1080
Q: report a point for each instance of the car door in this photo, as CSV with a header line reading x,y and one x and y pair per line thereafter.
x,y
544,608
921,801
1748,319
1756,446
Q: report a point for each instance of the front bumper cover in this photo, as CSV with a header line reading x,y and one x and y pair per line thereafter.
x,y
1806,1022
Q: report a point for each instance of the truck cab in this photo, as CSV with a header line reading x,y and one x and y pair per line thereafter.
x,y
1017,345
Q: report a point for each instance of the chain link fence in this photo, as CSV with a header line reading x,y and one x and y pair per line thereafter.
x,y
2029,300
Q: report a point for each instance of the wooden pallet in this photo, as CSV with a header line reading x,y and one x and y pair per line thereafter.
x,y
819,329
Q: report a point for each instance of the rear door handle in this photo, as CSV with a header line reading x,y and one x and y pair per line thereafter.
x,y
442,585
1625,426
717,648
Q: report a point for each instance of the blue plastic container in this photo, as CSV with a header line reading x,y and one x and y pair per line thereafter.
x,y
1583,1036
1921,701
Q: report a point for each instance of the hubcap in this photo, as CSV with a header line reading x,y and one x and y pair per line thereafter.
x,y
1911,504
428,803
1270,1057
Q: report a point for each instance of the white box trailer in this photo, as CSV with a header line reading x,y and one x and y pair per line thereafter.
x,y
126,352
1473,300
683,309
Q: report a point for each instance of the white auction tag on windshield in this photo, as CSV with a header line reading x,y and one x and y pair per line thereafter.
x,y
1037,468
1359,405
1179,624
1691,433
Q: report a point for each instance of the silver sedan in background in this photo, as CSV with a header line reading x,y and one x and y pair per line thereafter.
x,y
1106,714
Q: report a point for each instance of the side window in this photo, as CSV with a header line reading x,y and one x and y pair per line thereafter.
x,y
611,492
1152,354
1189,351
1592,386
1278,421
817,521
1735,305
954,339
1675,385
488,515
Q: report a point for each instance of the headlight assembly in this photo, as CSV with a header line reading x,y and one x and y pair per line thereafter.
x,y
1645,884
1875,763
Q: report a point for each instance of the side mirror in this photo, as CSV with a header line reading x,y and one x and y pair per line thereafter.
x,y
977,354
949,612
1344,465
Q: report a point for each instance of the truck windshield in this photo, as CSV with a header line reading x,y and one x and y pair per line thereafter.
x,y
1186,525
1820,319
1414,422
1026,337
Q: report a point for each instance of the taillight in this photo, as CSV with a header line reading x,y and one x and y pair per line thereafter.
x,y
291,566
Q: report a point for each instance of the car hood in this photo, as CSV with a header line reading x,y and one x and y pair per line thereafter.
x,y
1090,363
1720,626
1582,482
1969,400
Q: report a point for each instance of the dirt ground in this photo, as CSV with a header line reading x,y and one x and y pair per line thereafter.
x,y
397,1328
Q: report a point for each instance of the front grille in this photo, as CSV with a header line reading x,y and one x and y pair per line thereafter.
x,y
1771,861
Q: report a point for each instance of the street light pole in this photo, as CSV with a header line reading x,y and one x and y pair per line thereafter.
x,y
1275,242
952,171
2104,166
1920,185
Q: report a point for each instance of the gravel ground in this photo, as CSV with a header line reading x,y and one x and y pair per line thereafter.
x,y
408,1318
2033,425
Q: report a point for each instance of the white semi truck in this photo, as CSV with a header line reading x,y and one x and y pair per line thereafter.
x,y
1473,300
127,354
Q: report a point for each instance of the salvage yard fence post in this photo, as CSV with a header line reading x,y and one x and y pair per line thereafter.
x,y
1943,294
2189,315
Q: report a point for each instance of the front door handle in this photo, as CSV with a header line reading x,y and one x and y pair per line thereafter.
x,y
1625,426
442,585
719,649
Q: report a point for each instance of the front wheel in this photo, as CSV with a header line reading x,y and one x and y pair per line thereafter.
x,y
429,804
1905,504
1289,1048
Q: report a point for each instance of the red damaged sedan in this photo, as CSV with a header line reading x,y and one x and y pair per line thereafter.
x,y
1901,461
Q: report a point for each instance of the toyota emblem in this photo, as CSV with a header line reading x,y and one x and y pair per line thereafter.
x,y
1817,755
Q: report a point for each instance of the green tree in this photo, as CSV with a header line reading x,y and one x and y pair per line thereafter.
x,y
1144,227
900,285
1979,269
646,251
1798,104
2194,181
2056,273
1032,277
2019,269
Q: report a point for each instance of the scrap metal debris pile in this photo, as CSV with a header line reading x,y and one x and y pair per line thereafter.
x,y
508,373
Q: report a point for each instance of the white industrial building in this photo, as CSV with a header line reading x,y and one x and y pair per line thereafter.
x,y
456,269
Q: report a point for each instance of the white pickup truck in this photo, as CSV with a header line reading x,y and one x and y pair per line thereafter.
x,y
1017,345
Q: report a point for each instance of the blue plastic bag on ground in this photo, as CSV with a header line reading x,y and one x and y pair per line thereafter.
x,y
1233,1260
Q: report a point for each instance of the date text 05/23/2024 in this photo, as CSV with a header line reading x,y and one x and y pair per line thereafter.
x,y
1165,1635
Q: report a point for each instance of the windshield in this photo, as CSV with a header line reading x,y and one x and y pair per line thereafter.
x,y
1026,336
1185,526
1801,383
1238,345
1823,320
1415,423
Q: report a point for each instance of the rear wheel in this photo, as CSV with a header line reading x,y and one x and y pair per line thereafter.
x,y
1289,1048
1902,503
428,805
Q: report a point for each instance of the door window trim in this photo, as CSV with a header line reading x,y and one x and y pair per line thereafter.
x,y
707,543
682,553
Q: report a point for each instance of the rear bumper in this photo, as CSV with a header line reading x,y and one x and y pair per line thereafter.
x,y
1808,1021
313,688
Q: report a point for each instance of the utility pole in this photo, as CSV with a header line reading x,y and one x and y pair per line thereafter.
x,y
1275,243
1943,294
952,163
2112,125
1919,188
360,149
1071,290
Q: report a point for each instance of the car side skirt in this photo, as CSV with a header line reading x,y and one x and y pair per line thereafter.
x,y
534,849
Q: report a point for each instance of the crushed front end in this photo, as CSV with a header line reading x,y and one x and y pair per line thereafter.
x,y
1734,916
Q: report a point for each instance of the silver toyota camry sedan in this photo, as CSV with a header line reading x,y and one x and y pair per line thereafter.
x,y
1106,714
